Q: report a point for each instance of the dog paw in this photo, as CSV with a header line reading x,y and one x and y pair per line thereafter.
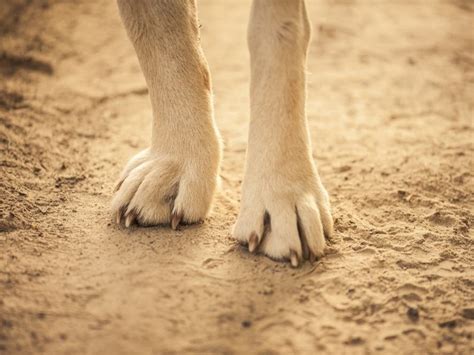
x,y
157,189
285,220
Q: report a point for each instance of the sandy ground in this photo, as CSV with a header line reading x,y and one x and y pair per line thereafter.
x,y
391,115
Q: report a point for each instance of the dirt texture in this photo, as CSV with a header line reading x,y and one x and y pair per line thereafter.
x,y
390,109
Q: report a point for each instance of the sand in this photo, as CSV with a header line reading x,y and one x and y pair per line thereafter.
x,y
390,108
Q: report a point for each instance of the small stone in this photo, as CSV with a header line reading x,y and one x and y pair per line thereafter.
x,y
342,169
246,323
402,193
267,291
413,314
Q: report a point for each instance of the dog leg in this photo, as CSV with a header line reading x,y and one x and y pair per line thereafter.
x,y
172,181
285,210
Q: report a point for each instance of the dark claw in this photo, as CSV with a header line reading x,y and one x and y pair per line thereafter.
x,y
121,214
253,242
175,220
130,218
294,258
302,235
118,185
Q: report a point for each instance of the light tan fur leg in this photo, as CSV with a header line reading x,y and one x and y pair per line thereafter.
x,y
174,180
285,210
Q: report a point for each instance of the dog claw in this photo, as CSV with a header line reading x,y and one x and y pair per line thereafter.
x,y
130,219
293,258
253,242
117,186
175,220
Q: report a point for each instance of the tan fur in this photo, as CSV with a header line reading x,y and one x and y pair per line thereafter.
x,y
282,193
